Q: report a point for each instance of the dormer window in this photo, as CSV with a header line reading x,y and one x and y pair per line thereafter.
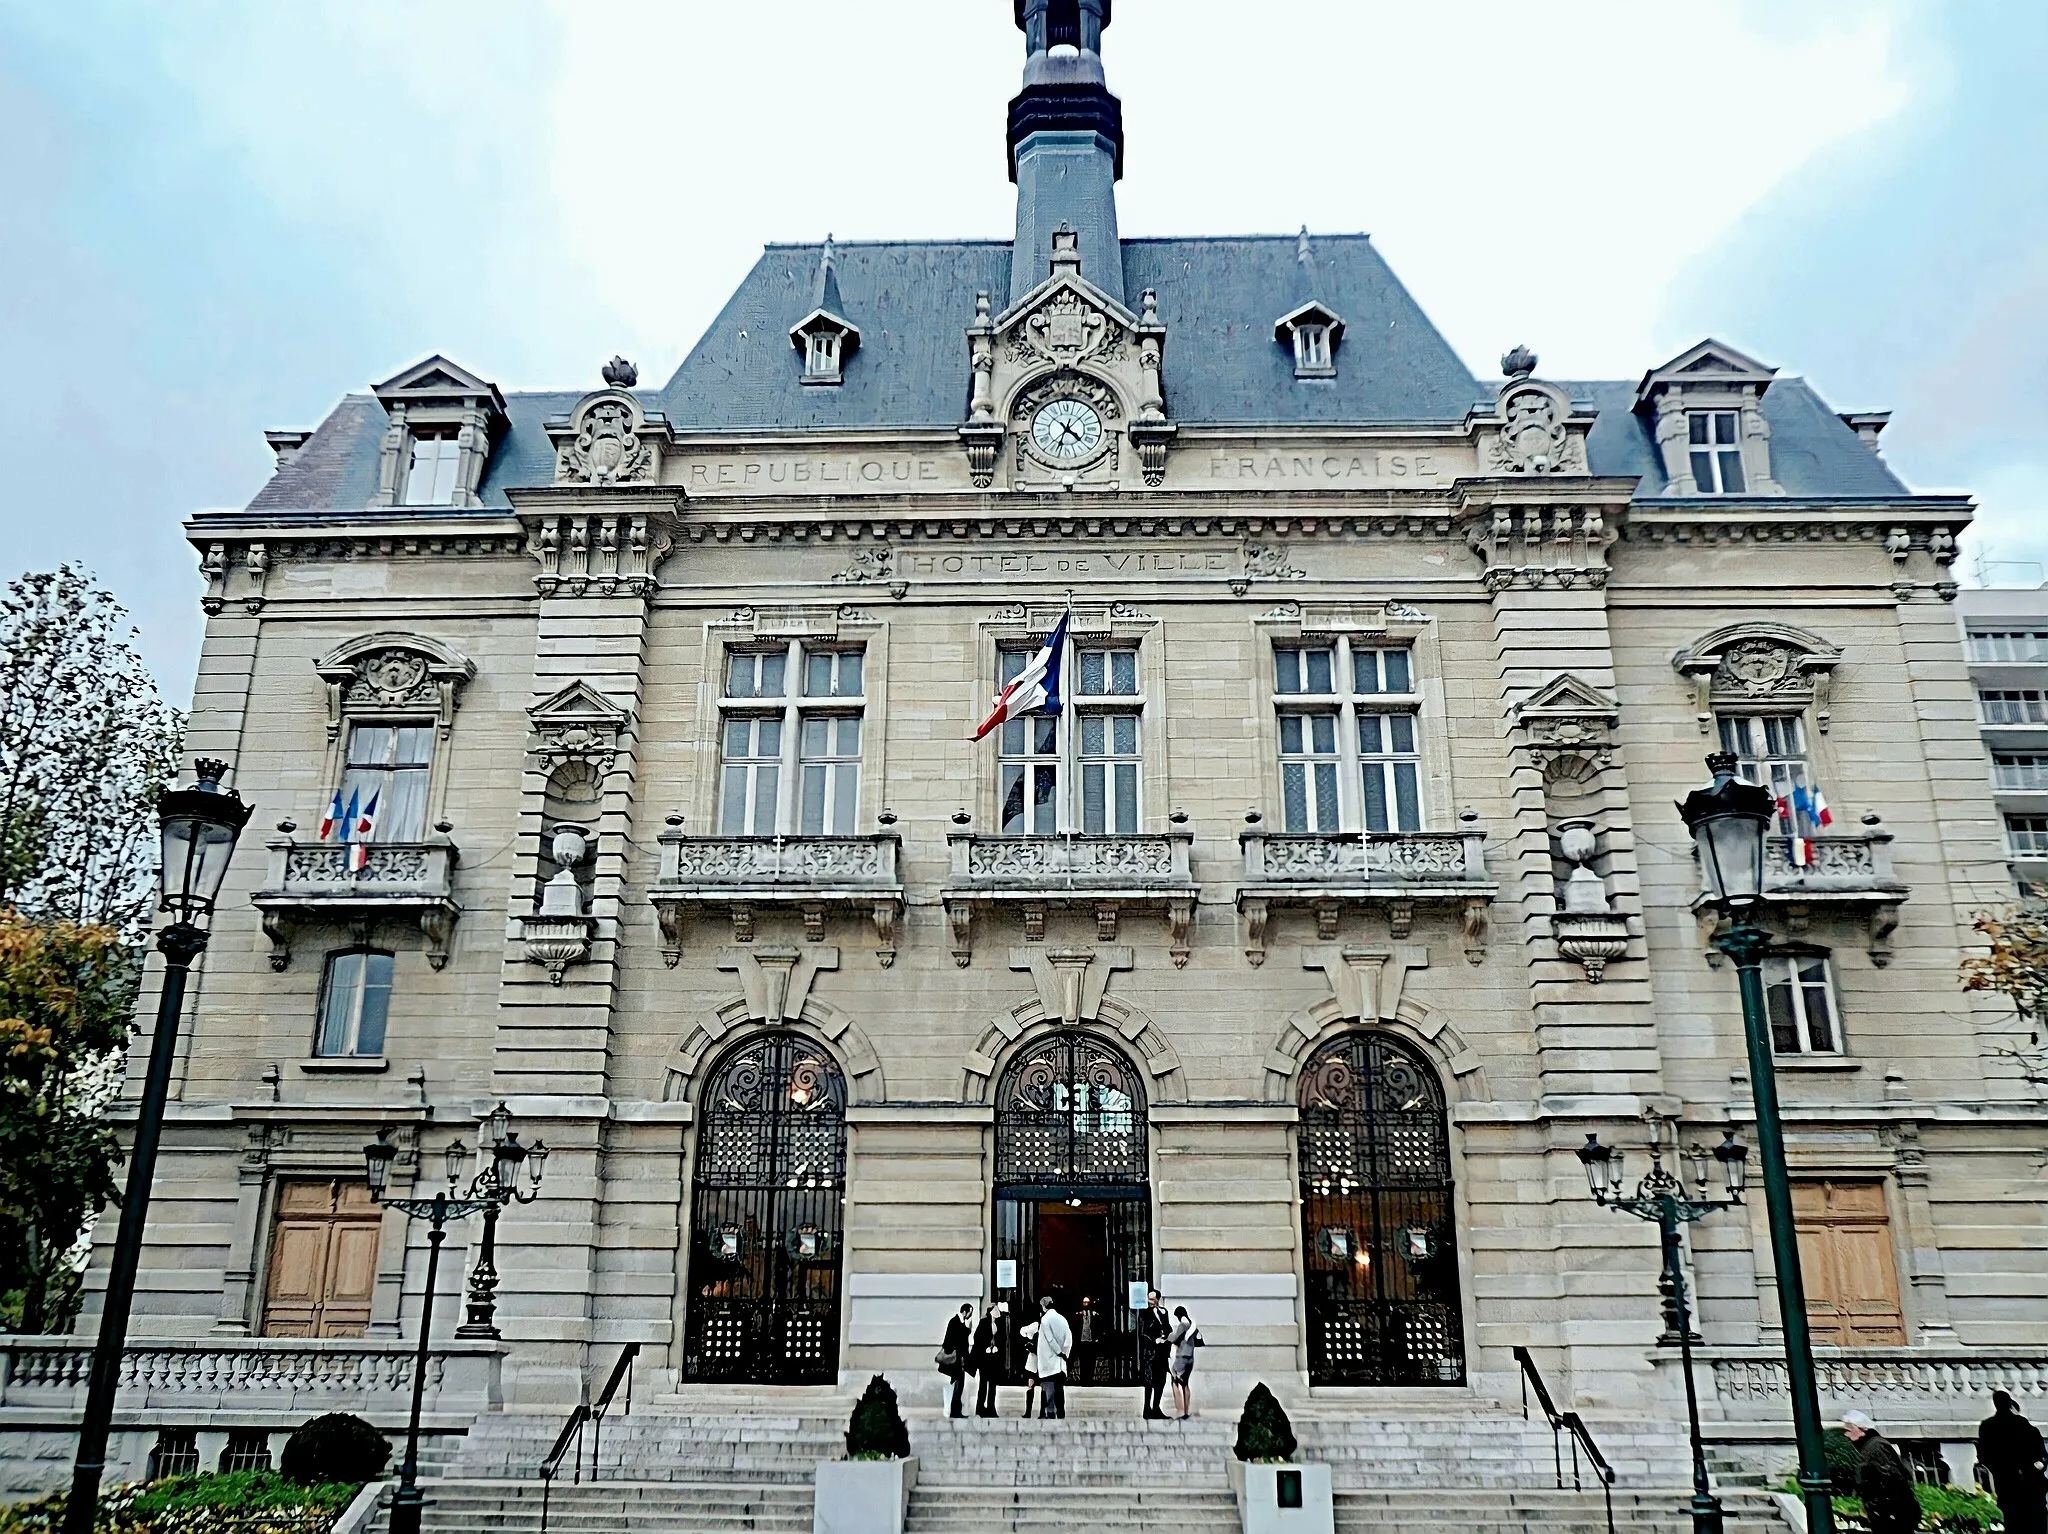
x,y
821,356
443,419
1312,349
431,475
1313,332
1715,437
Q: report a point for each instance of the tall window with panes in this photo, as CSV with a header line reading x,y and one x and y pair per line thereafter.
x,y
1771,749
1350,755
790,728
1715,440
430,471
2009,646
1081,769
388,766
355,1003
1799,997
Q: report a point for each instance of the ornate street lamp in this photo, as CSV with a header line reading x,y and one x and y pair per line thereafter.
x,y
496,1184
1662,1197
199,826
1728,820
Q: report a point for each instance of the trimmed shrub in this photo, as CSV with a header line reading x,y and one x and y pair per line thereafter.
x,y
335,1447
876,1430
1263,1432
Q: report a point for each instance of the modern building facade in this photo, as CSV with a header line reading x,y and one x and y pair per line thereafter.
x,y
2005,636
1284,965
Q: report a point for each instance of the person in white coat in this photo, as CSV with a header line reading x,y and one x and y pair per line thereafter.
x,y
1055,1346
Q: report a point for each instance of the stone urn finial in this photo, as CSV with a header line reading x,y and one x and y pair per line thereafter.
x,y
620,373
1519,363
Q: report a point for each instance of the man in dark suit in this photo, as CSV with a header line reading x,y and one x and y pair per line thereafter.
x,y
1155,1331
956,1348
2010,1448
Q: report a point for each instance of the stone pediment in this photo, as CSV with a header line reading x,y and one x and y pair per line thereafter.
x,y
1566,694
436,379
1708,362
1063,322
578,724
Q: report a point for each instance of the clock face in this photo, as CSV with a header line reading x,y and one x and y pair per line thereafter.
x,y
1066,430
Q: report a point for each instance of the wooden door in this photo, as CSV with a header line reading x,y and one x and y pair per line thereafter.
x,y
1845,1252
323,1260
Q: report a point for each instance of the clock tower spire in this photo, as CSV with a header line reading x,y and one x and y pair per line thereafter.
x,y
1066,137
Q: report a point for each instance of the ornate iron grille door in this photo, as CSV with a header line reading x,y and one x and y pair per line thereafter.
x,y
1378,1233
767,1217
1073,1200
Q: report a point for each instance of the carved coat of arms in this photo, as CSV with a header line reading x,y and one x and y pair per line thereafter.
x,y
607,451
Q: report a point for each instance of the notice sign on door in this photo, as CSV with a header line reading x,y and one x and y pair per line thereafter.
x,y
1139,1289
1006,1272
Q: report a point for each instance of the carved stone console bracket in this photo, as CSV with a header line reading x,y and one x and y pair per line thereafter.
x,y
1367,982
556,942
1070,981
612,550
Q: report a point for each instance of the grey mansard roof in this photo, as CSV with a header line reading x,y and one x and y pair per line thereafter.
x,y
1219,299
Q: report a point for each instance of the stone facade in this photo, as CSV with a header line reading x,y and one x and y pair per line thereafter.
x,y
1578,615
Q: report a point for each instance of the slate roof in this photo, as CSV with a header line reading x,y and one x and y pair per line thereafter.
x,y
1219,299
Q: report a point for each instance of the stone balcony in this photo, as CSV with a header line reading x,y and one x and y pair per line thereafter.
x,y
1392,872
251,1381
1104,874
313,881
744,875
1847,873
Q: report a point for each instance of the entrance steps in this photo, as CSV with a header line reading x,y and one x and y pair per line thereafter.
x,y
1473,1470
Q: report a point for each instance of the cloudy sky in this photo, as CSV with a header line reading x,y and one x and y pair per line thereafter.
x,y
219,216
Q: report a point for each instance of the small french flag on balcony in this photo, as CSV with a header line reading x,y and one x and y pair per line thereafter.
x,y
1036,689
332,818
359,848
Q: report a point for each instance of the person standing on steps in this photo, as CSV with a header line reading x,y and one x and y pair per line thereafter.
x,y
2010,1448
1882,1480
1155,1335
1029,1334
1185,1338
1055,1346
1085,1321
956,1356
988,1358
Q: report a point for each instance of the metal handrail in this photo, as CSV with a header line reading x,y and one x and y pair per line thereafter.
x,y
1564,1423
590,1414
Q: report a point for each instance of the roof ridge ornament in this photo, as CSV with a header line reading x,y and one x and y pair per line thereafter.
x,y
1518,363
619,373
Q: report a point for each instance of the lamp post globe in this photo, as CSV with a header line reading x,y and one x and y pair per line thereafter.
x,y
199,827
1728,819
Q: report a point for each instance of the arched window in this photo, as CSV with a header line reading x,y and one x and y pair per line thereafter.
x,y
1379,1237
767,1215
1073,1201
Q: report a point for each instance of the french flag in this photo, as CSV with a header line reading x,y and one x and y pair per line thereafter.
x,y
1813,805
332,818
1037,687
359,852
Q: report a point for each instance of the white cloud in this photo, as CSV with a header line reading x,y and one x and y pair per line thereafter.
x,y
1533,174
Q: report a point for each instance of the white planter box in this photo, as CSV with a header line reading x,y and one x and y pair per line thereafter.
x,y
1308,1507
868,1496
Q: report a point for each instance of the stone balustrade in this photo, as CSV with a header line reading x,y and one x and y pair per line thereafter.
x,y
1389,871
1106,873
290,1377
1845,873
746,874
318,881
1912,1391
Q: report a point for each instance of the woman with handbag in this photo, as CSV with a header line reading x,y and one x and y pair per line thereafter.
x,y
954,1356
1184,1339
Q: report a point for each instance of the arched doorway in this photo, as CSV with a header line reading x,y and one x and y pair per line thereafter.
x,y
1378,1233
766,1215
1073,1199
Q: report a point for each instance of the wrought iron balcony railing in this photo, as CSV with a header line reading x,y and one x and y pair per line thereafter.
x,y
1105,872
746,874
1391,871
319,881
